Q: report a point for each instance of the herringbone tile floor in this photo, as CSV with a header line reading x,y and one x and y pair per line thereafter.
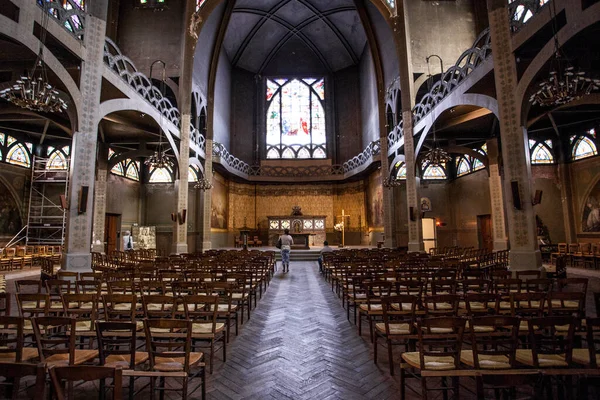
x,y
299,345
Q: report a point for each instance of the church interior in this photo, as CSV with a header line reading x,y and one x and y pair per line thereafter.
x,y
464,132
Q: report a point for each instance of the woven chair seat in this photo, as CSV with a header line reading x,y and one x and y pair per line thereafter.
x,y
479,328
28,305
566,303
525,357
159,307
123,360
371,308
582,356
28,354
402,306
439,306
395,329
443,363
206,328
485,361
81,356
225,308
175,364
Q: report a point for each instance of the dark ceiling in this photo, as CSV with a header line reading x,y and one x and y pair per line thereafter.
x,y
330,30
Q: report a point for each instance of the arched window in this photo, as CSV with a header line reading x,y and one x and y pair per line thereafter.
x,y
57,158
118,169
476,164
111,153
583,147
133,170
192,174
401,173
463,166
17,153
434,171
296,118
160,175
1,139
541,152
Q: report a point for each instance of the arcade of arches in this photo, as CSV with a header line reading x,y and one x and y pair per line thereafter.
x,y
317,104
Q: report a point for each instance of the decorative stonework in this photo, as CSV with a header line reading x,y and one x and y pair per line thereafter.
x,y
497,200
99,210
412,198
68,15
521,11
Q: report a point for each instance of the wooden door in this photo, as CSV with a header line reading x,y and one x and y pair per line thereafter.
x,y
486,236
111,224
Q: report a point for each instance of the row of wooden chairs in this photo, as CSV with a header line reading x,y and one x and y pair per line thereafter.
x,y
20,257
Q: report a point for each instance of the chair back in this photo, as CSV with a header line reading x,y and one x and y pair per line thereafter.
x,y
60,375
11,344
527,304
5,303
55,336
542,285
440,338
116,338
202,309
443,286
548,337
476,286
33,304
120,307
593,340
86,286
10,370
399,309
159,306
482,304
28,286
82,307
494,341
185,288
170,339
441,305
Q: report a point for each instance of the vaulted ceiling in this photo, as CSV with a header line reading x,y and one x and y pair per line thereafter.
x,y
258,31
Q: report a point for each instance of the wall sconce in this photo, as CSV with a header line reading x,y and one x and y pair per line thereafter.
x,y
182,216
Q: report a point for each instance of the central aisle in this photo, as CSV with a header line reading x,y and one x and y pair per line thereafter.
x,y
299,345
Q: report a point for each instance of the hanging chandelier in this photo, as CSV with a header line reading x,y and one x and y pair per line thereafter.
x,y
34,91
159,159
564,84
391,182
203,184
436,156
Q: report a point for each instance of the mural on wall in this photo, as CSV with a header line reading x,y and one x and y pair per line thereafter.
x,y
10,220
144,237
375,200
591,212
219,201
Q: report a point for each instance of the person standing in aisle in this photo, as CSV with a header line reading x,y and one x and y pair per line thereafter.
x,y
127,241
286,245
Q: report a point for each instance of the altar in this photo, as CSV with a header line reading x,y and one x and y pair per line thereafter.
x,y
306,230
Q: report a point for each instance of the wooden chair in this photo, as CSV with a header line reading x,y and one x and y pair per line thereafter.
x,y
562,251
117,348
202,311
55,338
84,308
399,317
11,344
32,305
441,305
373,309
528,274
56,288
13,372
5,303
226,310
168,342
527,305
29,286
437,353
61,374
121,308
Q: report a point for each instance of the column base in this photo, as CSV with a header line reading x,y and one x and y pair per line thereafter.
x,y
77,262
500,245
179,248
416,247
520,260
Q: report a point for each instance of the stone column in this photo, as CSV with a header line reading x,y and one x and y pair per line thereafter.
x,y
496,197
403,48
188,48
100,200
389,220
566,193
206,205
524,252
83,150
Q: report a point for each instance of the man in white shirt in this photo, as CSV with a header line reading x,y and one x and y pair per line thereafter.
x,y
325,249
127,241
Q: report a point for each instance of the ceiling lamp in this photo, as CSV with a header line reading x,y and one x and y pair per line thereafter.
x,y
159,159
563,84
436,156
34,92
203,184
391,182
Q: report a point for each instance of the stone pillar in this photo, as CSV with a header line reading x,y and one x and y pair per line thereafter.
x,y
181,185
389,220
496,197
206,205
100,200
566,192
83,153
524,252
403,49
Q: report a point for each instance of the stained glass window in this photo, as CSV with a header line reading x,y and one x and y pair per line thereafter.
x,y
285,224
308,224
199,4
0,154
132,171
391,3
10,140
401,174
2,139
584,147
434,172
18,155
541,153
66,150
111,153
50,150
592,132
521,9
118,169
462,166
160,175
483,149
192,174
477,165
57,160
295,118
274,225
319,224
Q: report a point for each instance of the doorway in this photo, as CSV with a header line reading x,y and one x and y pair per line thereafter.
x,y
484,232
429,233
111,236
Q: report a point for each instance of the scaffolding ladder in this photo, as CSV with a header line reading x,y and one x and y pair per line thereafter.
x,y
47,219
